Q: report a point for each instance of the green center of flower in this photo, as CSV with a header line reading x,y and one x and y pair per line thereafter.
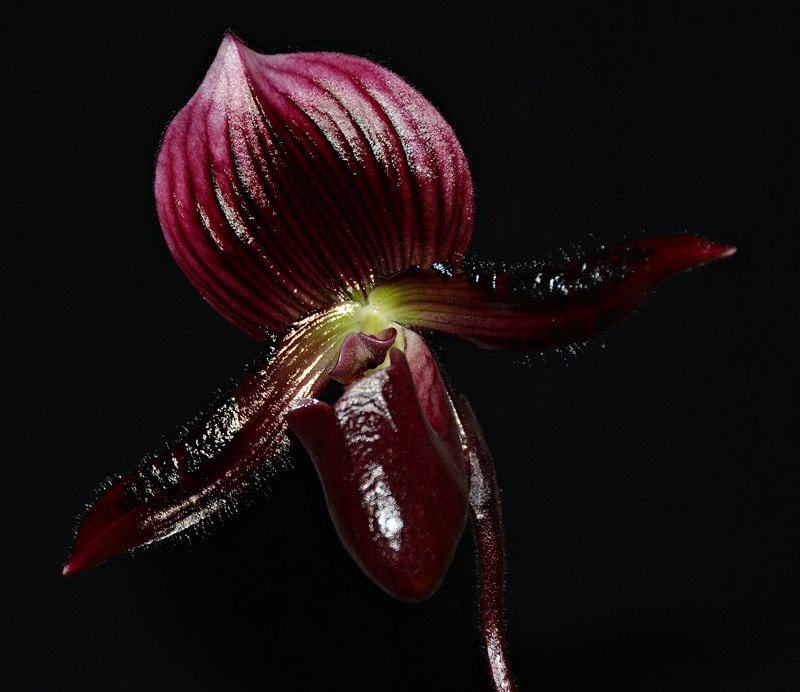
x,y
373,320
328,332
363,331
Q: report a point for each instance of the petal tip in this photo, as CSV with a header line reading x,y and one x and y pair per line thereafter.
x,y
711,251
84,556
726,251
226,64
695,252
74,567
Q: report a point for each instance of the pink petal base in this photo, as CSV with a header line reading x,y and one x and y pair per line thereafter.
x,y
361,352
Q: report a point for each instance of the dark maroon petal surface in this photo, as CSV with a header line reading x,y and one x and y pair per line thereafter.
x,y
290,181
396,490
487,526
221,456
544,307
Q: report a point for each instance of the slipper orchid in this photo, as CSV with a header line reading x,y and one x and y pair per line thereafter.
x,y
323,205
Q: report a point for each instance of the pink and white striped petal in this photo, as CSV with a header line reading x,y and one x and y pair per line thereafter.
x,y
291,182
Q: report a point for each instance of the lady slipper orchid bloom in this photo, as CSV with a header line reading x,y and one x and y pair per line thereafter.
x,y
323,205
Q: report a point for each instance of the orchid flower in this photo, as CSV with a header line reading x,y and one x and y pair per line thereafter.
x,y
323,205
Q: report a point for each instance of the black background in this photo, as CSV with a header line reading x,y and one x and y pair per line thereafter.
x,y
649,490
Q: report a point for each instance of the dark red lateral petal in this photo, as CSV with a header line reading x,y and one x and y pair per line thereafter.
x,y
220,457
290,181
396,490
543,307
487,526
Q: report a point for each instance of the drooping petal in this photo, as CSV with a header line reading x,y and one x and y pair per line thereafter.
x,y
542,307
487,526
396,489
288,182
222,455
